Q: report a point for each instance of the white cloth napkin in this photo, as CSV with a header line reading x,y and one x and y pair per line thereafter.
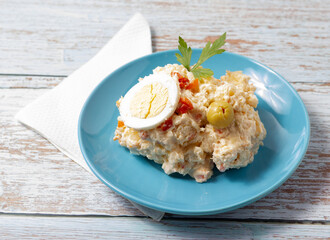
x,y
55,114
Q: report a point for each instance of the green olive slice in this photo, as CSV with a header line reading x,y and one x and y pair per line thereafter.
x,y
220,114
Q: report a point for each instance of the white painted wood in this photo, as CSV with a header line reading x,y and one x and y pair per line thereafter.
x,y
14,81
36,178
56,37
31,227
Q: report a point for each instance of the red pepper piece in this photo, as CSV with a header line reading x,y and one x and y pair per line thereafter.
x,y
184,106
167,124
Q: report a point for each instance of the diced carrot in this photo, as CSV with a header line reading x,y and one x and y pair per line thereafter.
x,y
121,124
194,86
186,101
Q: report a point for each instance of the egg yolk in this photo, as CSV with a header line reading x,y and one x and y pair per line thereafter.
x,y
149,101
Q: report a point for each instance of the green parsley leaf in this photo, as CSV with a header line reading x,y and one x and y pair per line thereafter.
x,y
208,51
186,54
202,73
211,50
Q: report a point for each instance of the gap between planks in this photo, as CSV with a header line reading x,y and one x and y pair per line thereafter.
x,y
174,217
17,227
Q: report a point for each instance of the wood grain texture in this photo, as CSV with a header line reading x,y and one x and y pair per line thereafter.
x,y
56,37
37,178
26,81
26,227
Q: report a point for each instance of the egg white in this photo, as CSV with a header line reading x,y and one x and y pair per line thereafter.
x,y
149,123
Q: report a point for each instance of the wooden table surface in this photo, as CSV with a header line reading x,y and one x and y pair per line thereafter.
x,y
43,194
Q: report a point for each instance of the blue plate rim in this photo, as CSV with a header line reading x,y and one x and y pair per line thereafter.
x,y
156,206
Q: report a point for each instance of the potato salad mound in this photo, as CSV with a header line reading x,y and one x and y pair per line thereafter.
x,y
191,125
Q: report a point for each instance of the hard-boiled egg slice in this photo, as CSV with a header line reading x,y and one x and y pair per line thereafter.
x,y
150,102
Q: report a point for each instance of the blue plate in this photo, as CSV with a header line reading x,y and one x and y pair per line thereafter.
x,y
143,181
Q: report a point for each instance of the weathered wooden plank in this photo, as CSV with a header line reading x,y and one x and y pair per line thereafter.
x,y
39,227
18,81
56,37
36,178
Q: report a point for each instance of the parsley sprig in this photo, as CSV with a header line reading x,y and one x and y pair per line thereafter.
x,y
208,51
